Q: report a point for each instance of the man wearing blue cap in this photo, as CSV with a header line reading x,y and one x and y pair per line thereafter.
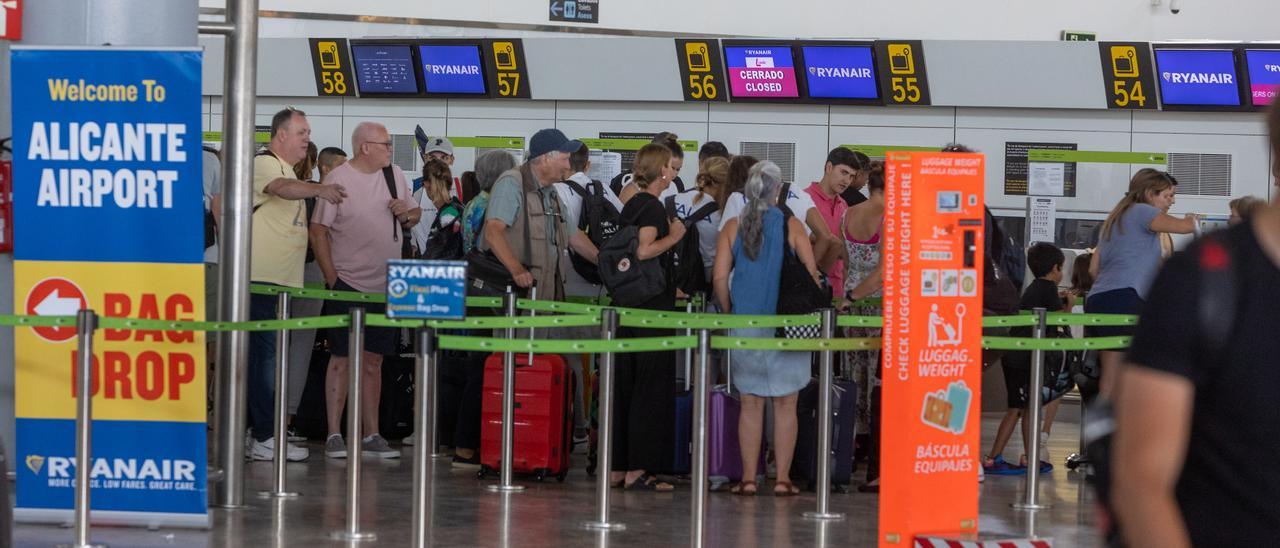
x,y
526,226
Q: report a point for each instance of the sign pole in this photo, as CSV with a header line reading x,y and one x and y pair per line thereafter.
x,y
424,417
282,406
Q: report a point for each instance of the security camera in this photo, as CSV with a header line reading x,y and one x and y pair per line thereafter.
x,y
1175,6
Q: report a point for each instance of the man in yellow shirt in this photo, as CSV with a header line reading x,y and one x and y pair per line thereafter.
x,y
279,250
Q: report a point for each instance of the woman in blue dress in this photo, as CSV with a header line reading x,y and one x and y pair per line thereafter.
x,y
748,268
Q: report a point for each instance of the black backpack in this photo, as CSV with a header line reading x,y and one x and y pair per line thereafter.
x,y
445,241
690,275
599,221
629,280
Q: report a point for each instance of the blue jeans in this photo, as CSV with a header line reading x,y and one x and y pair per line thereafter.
x,y
262,369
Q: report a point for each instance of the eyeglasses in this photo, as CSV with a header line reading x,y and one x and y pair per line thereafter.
x,y
386,143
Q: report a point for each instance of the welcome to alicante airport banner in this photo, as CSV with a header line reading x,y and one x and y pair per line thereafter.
x,y
108,215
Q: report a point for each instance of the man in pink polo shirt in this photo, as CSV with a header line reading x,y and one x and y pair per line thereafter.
x,y
839,174
353,242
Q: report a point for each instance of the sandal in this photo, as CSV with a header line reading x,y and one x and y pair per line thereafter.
x,y
744,489
788,489
649,482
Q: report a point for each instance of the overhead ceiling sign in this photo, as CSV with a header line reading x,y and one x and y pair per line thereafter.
x,y
575,11
11,19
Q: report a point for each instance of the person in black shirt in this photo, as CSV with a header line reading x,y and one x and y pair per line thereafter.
x,y
1196,424
1046,262
645,382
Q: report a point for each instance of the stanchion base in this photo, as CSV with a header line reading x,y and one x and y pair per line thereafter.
x,y
278,495
499,488
1030,507
90,545
353,537
604,526
230,506
441,455
820,516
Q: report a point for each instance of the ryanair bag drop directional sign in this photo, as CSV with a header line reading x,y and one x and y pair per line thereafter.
x,y
108,215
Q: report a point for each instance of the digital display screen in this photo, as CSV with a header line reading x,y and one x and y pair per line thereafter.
x,y
761,72
452,69
1198,77
840,72
384,68
1264,75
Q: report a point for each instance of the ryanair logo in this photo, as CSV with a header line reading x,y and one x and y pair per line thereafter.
x,y
452,70
35,463
119,473
1199,77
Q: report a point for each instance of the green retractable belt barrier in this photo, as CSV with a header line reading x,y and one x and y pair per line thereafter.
x,y
650,344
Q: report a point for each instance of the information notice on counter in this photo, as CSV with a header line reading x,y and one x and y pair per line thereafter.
x,y
1023,178
932,337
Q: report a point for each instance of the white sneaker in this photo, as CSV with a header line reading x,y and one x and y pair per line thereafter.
x,y
1044,447
982,474
408,440
266,450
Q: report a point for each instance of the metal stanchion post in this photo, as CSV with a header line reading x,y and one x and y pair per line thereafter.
x,y
433,386
355,439
1031,501
701,388
508,405
424,422
86,324
604,444
688,352
823,483
282,406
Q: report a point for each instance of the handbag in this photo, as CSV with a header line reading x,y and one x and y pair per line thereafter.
x,y
803,295
486,275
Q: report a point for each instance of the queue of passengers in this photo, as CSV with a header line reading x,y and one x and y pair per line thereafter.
x,y
539,223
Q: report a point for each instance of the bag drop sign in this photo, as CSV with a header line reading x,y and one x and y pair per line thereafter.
x,y
932,344
107,203
426,290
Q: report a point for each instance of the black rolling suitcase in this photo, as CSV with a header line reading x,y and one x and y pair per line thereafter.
x,y
844,406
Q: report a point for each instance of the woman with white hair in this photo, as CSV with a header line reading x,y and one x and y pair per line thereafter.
x,y
748,272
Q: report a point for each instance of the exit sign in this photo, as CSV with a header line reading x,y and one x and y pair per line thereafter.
x,y
1079,36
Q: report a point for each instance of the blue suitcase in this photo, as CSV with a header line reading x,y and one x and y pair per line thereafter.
x,y
844,408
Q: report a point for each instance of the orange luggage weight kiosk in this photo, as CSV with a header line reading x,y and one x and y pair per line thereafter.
x,y
932,349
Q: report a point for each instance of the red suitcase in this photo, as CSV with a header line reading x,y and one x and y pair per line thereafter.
x,y
543,429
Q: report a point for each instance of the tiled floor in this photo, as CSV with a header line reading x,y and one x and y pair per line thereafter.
x,y
548,514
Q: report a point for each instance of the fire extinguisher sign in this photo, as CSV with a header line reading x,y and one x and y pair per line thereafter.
x,y
11,19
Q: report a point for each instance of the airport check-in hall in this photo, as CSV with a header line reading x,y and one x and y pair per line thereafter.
x,y
604,273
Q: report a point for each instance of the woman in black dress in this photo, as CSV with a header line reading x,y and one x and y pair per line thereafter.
x,y
645,382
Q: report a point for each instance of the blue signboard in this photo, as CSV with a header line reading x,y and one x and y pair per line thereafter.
x,y
765,72
452,69
1200,77
840,72
106,161
107,206
384,68
426,290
